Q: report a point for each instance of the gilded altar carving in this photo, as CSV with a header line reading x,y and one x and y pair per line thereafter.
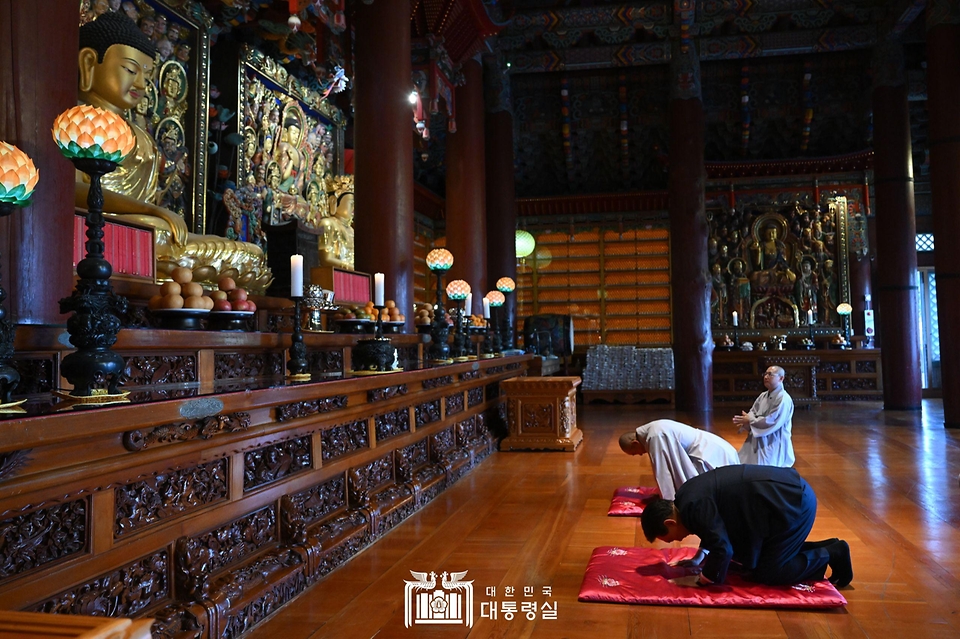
x,y
44,534
134,440
454,403
778,261
343,439
168,494
392,424
275,462
125,592
427,412
286,412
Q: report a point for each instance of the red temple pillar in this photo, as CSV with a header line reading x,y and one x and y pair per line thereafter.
x,y
466,186
38,81
501,192
943,59
689,283
383,146
896,283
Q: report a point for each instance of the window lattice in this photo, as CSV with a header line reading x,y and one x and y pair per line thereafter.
x,y
934,321
924,242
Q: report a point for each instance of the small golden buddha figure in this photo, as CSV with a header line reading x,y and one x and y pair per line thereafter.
x,y
116,62
336,231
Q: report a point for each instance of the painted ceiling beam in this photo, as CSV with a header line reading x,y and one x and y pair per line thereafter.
x,y
903,14
710,48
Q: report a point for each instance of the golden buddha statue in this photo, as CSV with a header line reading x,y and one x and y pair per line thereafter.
x,y
116,62
336,230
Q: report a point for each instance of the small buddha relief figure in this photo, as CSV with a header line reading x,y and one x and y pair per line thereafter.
x,y
336,231
806,289
771,258
829,295
116,61
739,287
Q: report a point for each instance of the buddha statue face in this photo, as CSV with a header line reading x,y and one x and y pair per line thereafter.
x,y
770,234
119,82
345,208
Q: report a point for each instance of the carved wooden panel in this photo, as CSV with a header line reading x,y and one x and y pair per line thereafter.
x,y
392,424
146,370
512,367
437,382
275,462
536,417
234,542
821,384
868,366
409,458
454,403
834,367
748,385
239,365
427,412
339,554
493,391
475,396
32,539
408,354
275,597
860,383
494,370
36,375
442,442
205,428
125,592
11,462
363,481
168,494
317,502
468,375
325,361
343,439
313,407
389,392
466,430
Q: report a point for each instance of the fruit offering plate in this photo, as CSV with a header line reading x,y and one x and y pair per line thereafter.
x,y
393,327
230,320
233,313
184,319
354,326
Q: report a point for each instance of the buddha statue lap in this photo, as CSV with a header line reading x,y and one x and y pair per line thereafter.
x,y
116,61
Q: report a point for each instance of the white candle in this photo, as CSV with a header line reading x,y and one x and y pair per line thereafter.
x,y
468,304
486,308
296,276
378,289
736,322
809,317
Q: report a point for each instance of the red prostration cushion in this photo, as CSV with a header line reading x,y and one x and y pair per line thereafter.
x,y
639,576
630,501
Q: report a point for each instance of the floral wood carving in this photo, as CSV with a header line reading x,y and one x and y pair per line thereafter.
x,y
733,368
314,407
512,367
261,608
475,396
442,442
395,423
325,361
205,428
363,481
145,370
168,494
437,382
493,391
381,394
467,376
275,462
43,535
11,462
494,370
466,430
427,412
854,384
293,525
237,540
869,366
241,365
343,439
126,592
36,375
192,567
454,403
176,621
321,500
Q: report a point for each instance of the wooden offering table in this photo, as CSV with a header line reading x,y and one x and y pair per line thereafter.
x,y
224,489
542,413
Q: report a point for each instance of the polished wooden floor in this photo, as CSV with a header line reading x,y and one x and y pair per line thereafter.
x,y
887,482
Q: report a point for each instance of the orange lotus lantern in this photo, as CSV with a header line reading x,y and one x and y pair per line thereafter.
x,y
18,176
496,298
506,285
458,290
88,132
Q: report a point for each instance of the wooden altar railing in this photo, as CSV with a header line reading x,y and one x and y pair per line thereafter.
x,y
224,490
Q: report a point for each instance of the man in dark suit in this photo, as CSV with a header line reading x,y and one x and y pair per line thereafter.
x,y
757,516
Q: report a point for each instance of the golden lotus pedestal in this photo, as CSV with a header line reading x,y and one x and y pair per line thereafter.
x,y
542,413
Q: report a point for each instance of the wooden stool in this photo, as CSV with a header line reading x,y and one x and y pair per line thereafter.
x,y
542,413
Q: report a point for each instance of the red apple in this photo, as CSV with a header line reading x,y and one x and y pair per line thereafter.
x,y
237,294
251,306
222,305
218,295
239,305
